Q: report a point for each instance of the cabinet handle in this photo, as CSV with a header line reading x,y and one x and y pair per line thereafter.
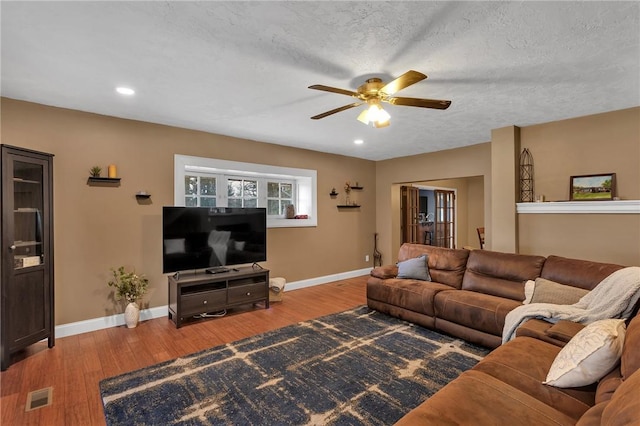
x,y
12,247
248,293
205,302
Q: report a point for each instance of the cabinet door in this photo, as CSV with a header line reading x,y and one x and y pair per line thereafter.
x,y
26,244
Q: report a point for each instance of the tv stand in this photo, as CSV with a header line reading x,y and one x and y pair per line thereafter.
x,y
192,294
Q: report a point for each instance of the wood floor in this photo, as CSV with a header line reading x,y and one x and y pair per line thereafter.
x,y
76,364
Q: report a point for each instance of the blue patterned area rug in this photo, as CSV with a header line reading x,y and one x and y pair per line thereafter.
x,y
358,367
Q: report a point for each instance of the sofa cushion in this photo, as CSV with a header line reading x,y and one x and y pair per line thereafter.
x,y
472,309
475,398
589,356
523,363
446,266
415,268
409,294
608,385
578,273
546,291
593,416
624,406
500,274
630,361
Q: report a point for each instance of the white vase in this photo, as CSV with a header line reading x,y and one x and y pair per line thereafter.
x,y
132,315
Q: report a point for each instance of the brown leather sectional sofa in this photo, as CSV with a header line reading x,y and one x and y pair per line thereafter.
x,y
469,296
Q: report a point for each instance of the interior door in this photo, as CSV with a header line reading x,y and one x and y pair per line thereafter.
x,y
445,218
410,205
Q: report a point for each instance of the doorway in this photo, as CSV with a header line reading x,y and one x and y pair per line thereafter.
x,y
428,216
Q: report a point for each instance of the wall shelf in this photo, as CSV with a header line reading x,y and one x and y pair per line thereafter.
x,y
143,196
103,181
358,188
349,206
581,207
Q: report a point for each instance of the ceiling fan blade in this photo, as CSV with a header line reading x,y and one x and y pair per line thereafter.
x,y
405,80
333,111
334,90
422,103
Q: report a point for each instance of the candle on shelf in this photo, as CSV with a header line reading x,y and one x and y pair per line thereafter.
x,y
112,170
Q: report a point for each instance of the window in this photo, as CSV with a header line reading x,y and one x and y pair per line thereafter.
x,y
208,182
242,192
199,191
279,196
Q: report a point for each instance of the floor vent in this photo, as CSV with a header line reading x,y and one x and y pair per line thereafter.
x,y
39,398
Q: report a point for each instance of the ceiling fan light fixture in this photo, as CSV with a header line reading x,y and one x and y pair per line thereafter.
x,y
382,120
375,114
378,124
364,116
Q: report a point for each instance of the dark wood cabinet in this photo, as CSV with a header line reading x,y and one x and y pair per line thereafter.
x,y
195,295
26,269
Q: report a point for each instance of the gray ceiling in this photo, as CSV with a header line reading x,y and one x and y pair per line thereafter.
x,y
243,68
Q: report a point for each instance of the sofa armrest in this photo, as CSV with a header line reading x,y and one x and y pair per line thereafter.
x,y
564,330
557,334
384,272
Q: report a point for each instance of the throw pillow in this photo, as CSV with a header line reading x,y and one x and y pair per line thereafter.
x,y
589,356
416,268
547,291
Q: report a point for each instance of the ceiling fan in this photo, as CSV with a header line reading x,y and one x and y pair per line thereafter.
x,y
373,92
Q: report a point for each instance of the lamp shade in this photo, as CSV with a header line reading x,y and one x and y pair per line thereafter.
x,y
375,114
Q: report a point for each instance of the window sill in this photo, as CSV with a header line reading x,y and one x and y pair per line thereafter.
x,y
291,223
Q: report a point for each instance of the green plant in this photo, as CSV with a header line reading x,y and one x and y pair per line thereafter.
x,y
129,286
95,171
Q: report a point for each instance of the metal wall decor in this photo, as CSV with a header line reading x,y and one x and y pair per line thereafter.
x,y
526,177
377,256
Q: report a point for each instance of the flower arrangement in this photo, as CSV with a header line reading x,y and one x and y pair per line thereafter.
x,y
129,286
347,187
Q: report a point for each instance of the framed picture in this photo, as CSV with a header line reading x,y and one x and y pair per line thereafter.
x,y
593,187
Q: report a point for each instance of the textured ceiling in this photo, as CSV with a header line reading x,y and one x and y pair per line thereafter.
x,y
243,68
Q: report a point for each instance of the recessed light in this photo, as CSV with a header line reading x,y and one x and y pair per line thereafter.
x,y
125,91
358,141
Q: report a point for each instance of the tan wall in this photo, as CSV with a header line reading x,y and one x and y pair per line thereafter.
x,y
503,228
595,144
601,143
476,206
473,161
97,228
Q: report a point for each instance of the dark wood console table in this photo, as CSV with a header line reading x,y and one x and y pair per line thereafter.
x,y
195,294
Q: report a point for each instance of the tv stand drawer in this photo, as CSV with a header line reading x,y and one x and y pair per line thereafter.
x,y
207,301
247,293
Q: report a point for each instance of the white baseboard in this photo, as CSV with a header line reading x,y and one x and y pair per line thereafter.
x,y
295,285
116,320
71,329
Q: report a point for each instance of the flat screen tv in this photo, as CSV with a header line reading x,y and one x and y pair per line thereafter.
x,y
212,238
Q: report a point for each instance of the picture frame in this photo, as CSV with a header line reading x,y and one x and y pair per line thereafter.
x,y
593,187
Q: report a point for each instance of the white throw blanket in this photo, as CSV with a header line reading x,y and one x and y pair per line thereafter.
x,y
614,297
